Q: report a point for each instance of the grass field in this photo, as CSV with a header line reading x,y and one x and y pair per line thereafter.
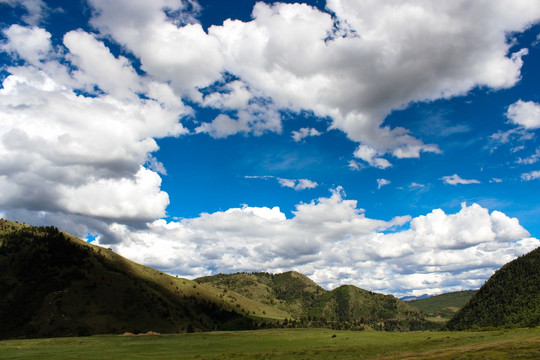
x,y
285,344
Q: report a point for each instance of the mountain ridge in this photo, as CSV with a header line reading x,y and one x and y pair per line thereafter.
x,y
55,284
308,302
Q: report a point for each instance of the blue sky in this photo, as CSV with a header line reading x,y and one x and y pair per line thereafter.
x,y
391,145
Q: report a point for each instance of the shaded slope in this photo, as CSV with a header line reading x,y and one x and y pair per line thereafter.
x,y
53,284
443,306
510,298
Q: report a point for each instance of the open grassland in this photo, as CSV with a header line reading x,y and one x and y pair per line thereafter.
x,y
285,344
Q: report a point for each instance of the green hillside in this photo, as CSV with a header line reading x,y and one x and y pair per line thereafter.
x,y
310,305
443,307
510,298
54,284
291,291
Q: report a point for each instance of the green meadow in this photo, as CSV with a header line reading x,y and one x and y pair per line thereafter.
x,y
286,344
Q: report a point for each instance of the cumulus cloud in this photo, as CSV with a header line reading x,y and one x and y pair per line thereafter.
x,y
67,148
456,179
79,124
370,155
180,54
97,67
357,67
334,242
28,43
525,114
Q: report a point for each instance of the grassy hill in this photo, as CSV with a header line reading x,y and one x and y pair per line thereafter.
x,y
309,304
290,292
510,298
443,307
54,284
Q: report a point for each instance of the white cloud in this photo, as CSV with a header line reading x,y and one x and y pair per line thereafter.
x,y
36,9
456,179
382,182
97,66
73,155
255,118
304,133
222,126
533,175
28,43
473,225
370,155
185,56
355,165
63,151
389,55
525,114
333,242
416,185
533,159
113,198
519,134
155,165
296,184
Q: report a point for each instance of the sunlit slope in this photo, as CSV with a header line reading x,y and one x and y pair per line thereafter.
x,y
510,298
443,306
309,303
291,292
54,284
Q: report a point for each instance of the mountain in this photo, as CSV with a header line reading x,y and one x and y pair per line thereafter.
x,y
442,307
54,284
412,298
291,291
510,298
346,306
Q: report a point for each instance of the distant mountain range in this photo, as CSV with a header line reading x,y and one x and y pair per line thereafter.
x,y
412,298
54,284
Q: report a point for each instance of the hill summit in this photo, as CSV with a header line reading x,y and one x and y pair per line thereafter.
x,y
347,306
